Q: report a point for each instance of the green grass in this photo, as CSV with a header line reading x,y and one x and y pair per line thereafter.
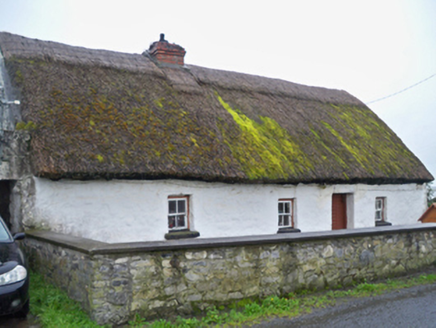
x,y
55,309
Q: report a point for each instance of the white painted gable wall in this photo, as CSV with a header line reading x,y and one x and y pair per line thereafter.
x,y
124,211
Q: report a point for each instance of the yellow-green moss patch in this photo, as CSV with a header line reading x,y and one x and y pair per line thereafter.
x,y
264,150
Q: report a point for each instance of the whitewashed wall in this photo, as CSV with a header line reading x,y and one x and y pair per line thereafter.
x,y
125,211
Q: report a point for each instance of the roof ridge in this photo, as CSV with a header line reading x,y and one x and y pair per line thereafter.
x,y
23,47
250,82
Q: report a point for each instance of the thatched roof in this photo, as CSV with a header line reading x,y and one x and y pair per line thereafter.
x,y
102,114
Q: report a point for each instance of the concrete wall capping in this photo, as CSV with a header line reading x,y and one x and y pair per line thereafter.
x,y
88,246
76,243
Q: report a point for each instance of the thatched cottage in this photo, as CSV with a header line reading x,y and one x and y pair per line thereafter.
x,y
135,147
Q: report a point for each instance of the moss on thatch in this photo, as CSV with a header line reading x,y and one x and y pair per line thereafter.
x,y
265,149
120,116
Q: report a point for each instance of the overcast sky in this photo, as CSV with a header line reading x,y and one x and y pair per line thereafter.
x,y
370,48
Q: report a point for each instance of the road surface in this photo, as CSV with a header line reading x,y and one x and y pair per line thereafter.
x,y
11,322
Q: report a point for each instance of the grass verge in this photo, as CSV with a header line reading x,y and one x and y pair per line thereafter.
x,y
54,309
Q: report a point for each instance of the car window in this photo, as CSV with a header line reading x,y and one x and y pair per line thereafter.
x,y
4,234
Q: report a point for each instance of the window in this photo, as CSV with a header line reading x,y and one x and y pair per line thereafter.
x,y
4,234
286,213
380,209
178,212
179,224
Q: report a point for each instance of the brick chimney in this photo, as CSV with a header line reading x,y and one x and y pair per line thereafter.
x,y
165,52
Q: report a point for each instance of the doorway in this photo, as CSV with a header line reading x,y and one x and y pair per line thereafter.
x,y
339,211
5,192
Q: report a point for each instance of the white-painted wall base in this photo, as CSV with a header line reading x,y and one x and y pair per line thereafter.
x,y
126,211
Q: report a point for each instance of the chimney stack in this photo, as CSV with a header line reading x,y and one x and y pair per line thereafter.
x,y
165,52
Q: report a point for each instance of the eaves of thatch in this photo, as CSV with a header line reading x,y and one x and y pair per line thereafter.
x,y
101,114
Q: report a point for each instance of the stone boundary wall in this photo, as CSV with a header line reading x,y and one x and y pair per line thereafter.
x,y
115,281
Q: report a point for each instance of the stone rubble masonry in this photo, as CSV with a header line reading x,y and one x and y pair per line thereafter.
x,y
159,279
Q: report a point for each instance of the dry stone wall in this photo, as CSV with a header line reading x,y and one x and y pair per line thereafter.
x,y
115,281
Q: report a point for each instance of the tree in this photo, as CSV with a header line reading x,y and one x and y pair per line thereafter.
x,y
430,193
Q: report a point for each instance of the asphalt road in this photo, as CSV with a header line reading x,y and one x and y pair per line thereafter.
x,y
11,322
411,307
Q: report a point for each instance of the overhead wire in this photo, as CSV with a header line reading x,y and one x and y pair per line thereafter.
x,y
401,91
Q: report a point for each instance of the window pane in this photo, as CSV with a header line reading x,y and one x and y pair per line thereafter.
x,y
288,207
181,206
180,220
286,220
4,236
172,207
280,208
280,220
171,222
378,215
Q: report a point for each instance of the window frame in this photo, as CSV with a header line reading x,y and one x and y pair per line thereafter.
x,y
381,209
185,227
291,201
